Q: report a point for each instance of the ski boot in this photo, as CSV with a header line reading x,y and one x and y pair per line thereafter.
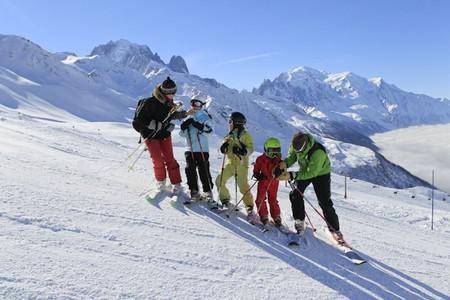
x,y
278,222
338,236
251,216
207,196
161,186
195,195
299,226
264,220
177,189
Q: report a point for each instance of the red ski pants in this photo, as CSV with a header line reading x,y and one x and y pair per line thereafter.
x,y
268,188
161,152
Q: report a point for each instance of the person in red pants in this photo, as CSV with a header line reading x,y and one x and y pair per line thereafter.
x,y
153,120
267,183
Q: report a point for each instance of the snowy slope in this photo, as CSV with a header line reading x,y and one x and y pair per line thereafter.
x,y
74,225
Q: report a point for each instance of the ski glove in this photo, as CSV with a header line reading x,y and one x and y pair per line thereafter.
x,y
224,147
277,171
186,124
198,125
259,176
242,151
179,115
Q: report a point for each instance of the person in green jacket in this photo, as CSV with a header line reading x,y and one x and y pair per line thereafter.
x,y
237,147
315,168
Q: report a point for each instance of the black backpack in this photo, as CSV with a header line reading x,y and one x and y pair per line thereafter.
x,y
137,119
313,149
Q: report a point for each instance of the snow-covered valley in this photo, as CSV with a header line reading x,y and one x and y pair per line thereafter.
x,y
74,224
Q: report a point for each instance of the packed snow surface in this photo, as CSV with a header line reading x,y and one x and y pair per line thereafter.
x,y
74,224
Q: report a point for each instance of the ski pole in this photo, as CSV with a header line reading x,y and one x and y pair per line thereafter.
x,y
221,174
242,198
310,223
303,195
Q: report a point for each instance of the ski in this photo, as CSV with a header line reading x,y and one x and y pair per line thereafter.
x,y
345,248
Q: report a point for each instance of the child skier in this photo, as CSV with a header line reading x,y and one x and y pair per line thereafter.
x,y
267,183
195,130
237,147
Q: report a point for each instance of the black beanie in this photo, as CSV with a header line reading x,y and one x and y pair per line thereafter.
x,y
168,87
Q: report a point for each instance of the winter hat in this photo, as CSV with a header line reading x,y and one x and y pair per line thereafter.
x,y
299,141
168,87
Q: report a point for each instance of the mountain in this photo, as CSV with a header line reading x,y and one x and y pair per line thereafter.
x,y
367,105
36,82
104,85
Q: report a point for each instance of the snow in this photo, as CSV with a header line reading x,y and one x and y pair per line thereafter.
x,y
73,225
420,149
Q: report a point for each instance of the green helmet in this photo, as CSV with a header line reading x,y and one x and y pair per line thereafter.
x,y
272,147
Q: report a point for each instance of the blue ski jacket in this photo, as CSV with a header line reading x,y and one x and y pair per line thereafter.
x,y
197,140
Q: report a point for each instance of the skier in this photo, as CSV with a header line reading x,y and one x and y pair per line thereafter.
x,y
315,168
237,147
195,129
267,183
152,119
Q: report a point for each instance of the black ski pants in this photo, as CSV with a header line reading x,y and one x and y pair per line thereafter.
x,y
322,188
194,161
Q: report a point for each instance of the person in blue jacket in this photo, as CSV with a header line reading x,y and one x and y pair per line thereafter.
x,y
195,129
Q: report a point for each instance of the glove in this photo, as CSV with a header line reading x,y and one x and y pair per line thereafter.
x,y
198,125
179,115
277,171
259,176
224,147
291,176
242,151
186,124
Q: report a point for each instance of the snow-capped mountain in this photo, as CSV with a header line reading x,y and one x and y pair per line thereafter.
x,y
103,85
36,82
368,105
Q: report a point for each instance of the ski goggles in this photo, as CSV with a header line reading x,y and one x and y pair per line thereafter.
x,y
197,104
273,152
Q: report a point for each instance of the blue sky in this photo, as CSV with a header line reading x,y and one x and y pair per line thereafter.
x,y
240,43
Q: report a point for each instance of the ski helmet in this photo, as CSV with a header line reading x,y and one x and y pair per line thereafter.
x,y
272,147
197,103
300,141
237,119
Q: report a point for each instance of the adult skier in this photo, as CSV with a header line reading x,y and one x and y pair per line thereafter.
x,y
195,129
153,120
315,168
267,183
237,147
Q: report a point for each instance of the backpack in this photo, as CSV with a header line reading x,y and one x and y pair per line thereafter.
x,y
313,149
137,115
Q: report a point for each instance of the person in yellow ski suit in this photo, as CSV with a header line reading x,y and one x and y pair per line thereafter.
x,y
237,146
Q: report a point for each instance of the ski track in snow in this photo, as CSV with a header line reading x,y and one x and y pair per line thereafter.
x,y
72,225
